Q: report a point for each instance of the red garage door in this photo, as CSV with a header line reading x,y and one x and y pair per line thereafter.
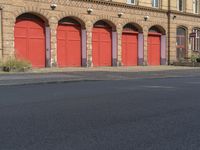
x,y
102,46
69,45
129,49
30,41
154,49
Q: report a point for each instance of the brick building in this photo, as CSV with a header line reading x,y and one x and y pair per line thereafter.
x,y
67,33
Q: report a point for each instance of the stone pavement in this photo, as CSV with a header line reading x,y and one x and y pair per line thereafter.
x,y
113,69
56,75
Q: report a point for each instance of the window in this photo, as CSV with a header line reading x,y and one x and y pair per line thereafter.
x,y
155,3
181,43
133,2
195,41
196,6
180,5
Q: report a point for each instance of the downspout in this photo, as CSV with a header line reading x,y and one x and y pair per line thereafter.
x,y
1,30
169,26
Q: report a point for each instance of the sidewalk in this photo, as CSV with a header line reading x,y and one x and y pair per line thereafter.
x,y
112,69
57,75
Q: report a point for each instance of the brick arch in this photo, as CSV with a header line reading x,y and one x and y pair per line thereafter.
x,y
182,26
140,29
78,17
135,22
107,19
159,25
195,27
160,28
32,10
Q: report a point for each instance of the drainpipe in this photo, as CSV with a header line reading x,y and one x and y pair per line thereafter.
x,y
169,26
1,30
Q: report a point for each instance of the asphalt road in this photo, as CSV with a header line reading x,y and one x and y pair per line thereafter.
x,y
138,114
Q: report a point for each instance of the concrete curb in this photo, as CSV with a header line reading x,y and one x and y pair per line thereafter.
x,y
46,82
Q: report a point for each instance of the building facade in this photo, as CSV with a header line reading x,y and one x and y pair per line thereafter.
x,y
68,33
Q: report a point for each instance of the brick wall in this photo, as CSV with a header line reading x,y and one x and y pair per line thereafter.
x,y
106,11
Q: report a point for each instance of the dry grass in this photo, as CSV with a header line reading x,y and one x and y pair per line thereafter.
x,y
15,65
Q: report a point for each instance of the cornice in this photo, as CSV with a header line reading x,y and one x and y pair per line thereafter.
x,y
123,5
184,14
107,3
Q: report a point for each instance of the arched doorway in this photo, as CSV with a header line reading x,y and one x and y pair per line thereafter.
x,y
102,44
156,46
130,45
69,43
30,39
181,43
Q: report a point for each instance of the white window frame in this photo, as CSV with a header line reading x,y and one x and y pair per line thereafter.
x,y
132,3
196,5
183,5
154,2
195,41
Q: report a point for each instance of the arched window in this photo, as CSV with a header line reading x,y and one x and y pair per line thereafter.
x,y
68,20
196,6
181,5
195,40
102,23
181,43
130,27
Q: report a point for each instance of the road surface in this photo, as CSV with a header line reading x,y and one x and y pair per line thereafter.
x,y
133,114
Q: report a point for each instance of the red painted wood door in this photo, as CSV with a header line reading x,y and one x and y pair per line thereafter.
x,y
69,46
102,47
30,41
130,49
154,50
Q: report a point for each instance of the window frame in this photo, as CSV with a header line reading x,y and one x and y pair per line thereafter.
x,y
196,6
130,2
153,3
195,41
181,9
